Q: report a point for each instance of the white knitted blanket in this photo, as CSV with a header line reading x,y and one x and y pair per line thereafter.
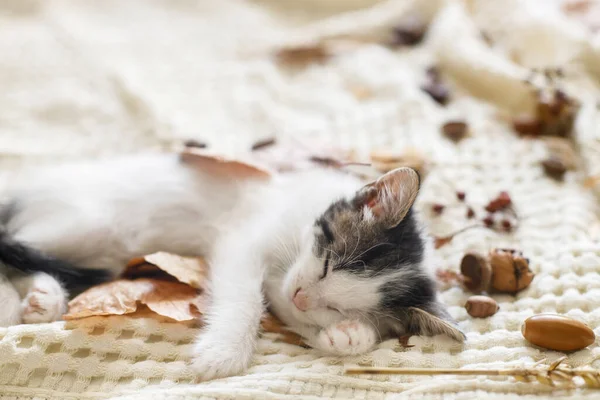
x,y
91,78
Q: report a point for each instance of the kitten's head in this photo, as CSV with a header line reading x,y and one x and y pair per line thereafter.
x,y
365,259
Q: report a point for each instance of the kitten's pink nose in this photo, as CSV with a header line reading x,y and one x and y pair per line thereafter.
x,y
300,300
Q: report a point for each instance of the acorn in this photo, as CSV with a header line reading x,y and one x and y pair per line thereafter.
x,y
510,270
557,332
476,271
481,306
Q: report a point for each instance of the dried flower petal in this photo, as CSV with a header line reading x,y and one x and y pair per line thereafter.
x,y
470,213
438,209
442,241
501,202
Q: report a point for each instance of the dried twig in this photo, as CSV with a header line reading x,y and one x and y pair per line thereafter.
x,y
553,375
443,240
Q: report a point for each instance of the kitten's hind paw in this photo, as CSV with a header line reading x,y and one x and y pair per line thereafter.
x,y
45,301
215,358
350,337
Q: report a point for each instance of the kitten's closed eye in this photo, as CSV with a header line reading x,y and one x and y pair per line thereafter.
x,y
325,268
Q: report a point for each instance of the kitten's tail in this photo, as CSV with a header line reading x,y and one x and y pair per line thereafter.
x,y
29,260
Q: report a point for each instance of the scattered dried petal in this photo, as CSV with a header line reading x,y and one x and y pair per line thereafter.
x,y
438,209
470,213
501,202
455,130
442,241
488,220
461,195
506,225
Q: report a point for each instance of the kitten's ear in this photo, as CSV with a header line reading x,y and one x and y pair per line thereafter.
x,y
389,198
434,321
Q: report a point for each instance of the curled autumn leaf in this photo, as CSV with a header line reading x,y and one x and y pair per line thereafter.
x,y
174,300
222,166
190,270
272,324
161,286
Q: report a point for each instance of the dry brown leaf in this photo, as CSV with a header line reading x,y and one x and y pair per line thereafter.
x,y
442,241
175,300
295,155
591,181
272,324
302,55
218,165
403,340
386,160
447,276
190,270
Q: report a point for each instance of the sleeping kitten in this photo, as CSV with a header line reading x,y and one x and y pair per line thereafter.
x,y
343,264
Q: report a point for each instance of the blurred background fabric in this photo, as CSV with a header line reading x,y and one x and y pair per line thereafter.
x,y
99,78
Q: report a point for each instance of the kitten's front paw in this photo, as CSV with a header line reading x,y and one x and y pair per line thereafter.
x,y
217,358
44,302
348,337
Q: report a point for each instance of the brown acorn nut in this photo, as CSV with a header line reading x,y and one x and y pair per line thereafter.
x,y
510,270
557,332
455,130
554,168
481,306
476,271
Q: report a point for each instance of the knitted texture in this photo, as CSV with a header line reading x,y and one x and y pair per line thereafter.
x,y
92,78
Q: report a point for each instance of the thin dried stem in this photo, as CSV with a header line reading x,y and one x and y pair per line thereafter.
x,y
555,374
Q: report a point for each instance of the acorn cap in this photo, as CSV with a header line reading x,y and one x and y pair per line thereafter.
x,y
476,271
